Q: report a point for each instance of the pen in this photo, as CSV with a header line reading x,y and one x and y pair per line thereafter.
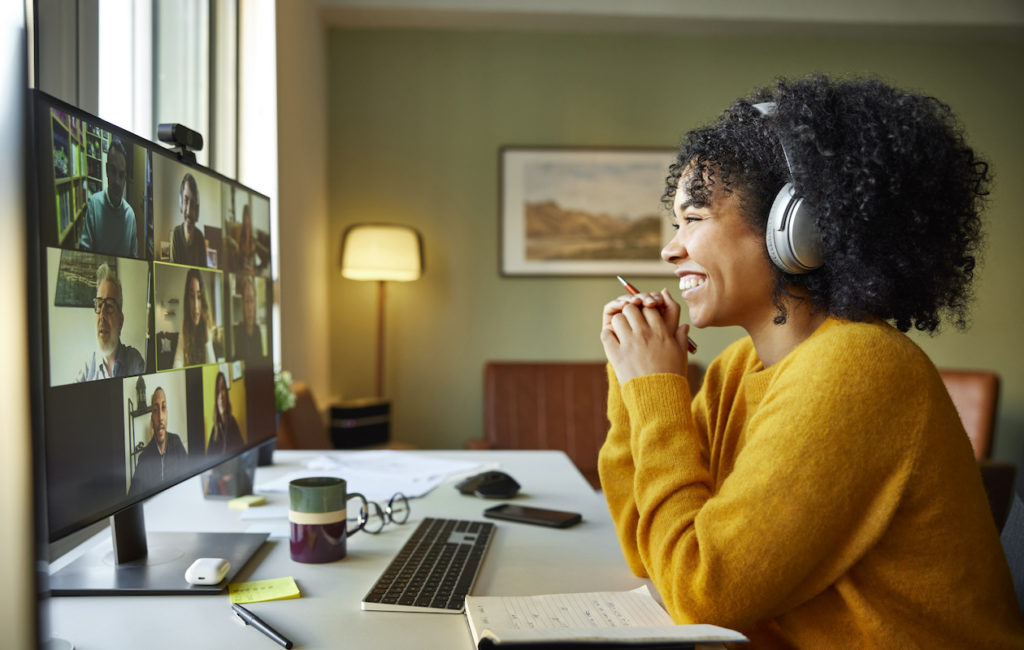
x,y
690,345
256,622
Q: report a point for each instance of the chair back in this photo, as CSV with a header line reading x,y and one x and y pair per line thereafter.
x,y
975,394
548,406
302,426
551,405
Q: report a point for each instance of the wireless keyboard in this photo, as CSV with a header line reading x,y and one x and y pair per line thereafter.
x,y
435,570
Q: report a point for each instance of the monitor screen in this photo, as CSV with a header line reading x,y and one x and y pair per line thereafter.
x,y
154,324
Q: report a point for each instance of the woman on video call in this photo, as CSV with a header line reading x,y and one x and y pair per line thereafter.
x,y
225,434
195,342
819,490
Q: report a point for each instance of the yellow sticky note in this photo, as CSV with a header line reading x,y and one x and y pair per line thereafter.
x,y
261,590
247,501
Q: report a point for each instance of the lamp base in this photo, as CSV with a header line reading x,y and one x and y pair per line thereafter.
x,y
361,423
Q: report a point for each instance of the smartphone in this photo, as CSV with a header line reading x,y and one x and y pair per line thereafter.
x,y
538,516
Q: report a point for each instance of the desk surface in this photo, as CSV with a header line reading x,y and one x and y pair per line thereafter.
x,y
522,560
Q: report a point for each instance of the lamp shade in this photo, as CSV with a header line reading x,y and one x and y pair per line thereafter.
x,y
377,251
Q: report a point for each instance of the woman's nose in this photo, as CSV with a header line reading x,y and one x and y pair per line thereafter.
x,y
674,250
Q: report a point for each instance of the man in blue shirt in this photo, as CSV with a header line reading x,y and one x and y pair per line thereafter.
x,y
109,220
111,358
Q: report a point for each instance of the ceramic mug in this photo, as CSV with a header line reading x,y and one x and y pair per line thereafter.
x,y
318,515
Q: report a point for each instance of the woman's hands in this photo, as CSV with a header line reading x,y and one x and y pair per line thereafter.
x,y
641,335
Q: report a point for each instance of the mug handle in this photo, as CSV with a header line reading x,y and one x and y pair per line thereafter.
x,y
364,514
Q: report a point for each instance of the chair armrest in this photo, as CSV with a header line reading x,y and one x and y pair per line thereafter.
x,y
998,479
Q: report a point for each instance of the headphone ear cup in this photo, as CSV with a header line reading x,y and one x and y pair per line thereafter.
x,y
792,238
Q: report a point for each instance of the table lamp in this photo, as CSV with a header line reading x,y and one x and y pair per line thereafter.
x,y
381,252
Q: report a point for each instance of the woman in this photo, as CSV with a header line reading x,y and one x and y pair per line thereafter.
x,y
246,261
248,338
225,435
819,490
195,342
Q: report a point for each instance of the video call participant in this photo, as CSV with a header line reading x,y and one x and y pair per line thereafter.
x,y
188,246
164,456
195,341
247,336
245,255
109,225
225,434
111,358
819,489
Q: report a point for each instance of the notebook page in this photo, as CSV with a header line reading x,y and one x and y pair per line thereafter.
x,y
584,616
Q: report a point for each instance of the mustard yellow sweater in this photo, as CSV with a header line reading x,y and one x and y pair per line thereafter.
x,y
829,501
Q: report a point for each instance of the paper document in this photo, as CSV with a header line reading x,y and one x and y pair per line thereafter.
x,y
377,474
625,616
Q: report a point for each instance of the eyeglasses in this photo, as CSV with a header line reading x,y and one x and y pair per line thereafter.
x,y
396,511
108,306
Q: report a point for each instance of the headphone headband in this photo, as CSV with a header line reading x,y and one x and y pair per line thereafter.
x,y
791,235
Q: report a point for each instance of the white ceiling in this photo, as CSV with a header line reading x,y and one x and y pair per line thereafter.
x,y
1000,18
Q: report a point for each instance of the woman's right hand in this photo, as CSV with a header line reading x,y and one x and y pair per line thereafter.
x,y
641,335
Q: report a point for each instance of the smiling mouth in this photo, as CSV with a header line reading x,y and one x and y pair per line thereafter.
x,y
690,282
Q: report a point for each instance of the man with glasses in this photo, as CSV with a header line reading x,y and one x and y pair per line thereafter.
x,y
109,221
111,358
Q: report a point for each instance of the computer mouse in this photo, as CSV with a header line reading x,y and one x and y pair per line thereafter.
x,y
491,484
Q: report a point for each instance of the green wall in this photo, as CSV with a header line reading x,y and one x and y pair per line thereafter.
x,y
416,119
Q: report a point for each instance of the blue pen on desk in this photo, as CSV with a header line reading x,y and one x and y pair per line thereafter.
x,y
256,622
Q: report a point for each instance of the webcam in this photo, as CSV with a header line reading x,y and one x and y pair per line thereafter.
x,y
182,139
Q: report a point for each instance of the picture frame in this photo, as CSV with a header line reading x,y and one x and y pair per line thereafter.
x,y
583,211
76,277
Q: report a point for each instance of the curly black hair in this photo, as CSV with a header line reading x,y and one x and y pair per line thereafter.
x,y
895,190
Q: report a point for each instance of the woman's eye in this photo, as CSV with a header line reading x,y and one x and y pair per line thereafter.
x,y
690,218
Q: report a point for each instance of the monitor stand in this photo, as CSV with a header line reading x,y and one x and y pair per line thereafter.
x,y
138,564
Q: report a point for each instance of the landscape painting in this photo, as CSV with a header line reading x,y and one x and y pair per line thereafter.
x,y
584,211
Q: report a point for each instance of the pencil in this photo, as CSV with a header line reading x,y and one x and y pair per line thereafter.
x,y
690,345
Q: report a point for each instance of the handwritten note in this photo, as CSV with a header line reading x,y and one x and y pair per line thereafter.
x,y
591,610
623,616
258,591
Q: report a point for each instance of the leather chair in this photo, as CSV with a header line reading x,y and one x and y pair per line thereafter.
x,y
302,426
550,405
975,394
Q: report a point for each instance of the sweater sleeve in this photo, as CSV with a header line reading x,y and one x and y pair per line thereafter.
x,y
823,460
618,474
615,467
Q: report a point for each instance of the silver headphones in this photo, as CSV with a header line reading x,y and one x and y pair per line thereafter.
x,y
792,238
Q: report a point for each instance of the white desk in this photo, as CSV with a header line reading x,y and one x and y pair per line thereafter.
x,y
522,559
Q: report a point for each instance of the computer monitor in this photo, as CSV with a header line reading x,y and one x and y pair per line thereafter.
x,y
151,334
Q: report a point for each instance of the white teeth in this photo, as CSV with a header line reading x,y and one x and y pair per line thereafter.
x,y
689,282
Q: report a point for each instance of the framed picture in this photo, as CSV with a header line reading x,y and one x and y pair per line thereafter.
x,y
584,211
76,277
